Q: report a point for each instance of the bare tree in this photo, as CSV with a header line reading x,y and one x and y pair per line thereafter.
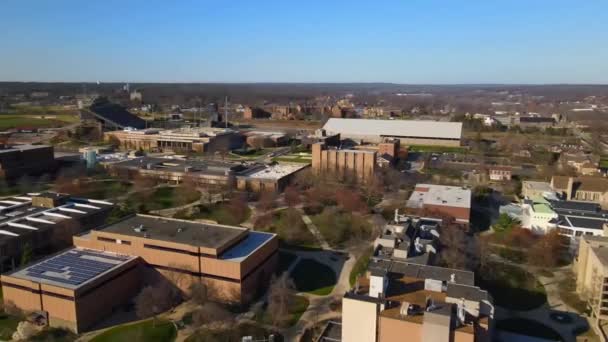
x,y
292,196
198,293
453,250
280,297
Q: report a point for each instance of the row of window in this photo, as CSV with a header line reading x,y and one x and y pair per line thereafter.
x,y
120,242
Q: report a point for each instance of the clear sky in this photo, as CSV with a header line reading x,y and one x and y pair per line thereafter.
x,y
404,41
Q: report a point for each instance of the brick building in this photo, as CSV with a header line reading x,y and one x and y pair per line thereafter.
x,y
108,266
452,201
343,162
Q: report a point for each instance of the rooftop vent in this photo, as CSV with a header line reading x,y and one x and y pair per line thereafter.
x,y
140,228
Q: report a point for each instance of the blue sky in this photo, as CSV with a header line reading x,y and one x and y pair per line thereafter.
x,y
406,41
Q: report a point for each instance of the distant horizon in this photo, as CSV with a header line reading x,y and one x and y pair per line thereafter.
x,y
431,42
313,83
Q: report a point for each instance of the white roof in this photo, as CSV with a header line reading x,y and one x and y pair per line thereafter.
x,y
277,171
450,196
395,128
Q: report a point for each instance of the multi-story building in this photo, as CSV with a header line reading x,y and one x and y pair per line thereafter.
x,y
204,139
453,201
44,221
360,164
500,173
79,287
397,301
583,189
23,160
535,122
591,268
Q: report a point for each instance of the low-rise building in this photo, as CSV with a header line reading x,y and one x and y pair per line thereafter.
x,y
25,160
109,265
453,201
535,122
533,189
43,221
203,139
409,132
268,178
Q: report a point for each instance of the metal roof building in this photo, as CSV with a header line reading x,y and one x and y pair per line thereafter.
x,y
408,131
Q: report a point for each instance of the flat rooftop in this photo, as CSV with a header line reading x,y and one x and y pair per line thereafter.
x,y
451,196
15,148
395,128
180,165
73,268
173,230
537,186
247,246
276,171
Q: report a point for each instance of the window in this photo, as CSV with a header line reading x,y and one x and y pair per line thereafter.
x,y
169,249
120,242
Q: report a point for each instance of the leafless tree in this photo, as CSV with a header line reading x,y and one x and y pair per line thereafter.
x,y
280,297
292,196
198,293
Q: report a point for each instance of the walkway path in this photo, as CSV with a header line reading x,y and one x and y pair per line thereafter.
x,y
314,230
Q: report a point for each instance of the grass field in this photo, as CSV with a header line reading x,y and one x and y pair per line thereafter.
x,y
8,121
313,277
604,163
161,331
360,266
294,158
233,334
297,308
162,198
221,213
437,149
8,325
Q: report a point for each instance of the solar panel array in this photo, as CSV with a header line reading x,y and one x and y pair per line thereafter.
x,y
73,267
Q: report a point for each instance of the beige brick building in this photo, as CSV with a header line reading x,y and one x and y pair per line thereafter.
x,y
332,161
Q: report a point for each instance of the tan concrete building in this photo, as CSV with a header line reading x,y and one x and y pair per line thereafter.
x,y
533,189
591,268
205,139
397,301
584,188
109,265
333,161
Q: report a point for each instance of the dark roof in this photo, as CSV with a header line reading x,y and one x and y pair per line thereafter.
x,y
116,114
178,231
468,292
432,272
573,205
535,119
583,222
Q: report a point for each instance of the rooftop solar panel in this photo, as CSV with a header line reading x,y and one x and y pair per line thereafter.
x,y
74,267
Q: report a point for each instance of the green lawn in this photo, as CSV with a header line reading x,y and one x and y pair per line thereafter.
x,y
604,163
222,213
289,226
297,308
8,325
529,328
360,266
437,149
294,158
162,198
313,277
54,335
233,334
512,287
8,121
162,331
